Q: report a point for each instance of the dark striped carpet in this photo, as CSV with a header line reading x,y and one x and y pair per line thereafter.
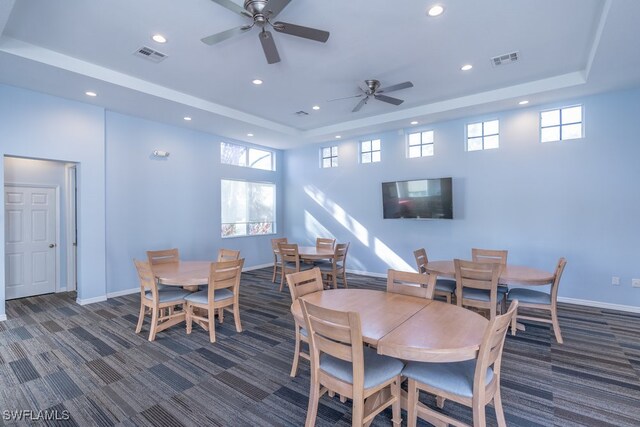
x,y
63,364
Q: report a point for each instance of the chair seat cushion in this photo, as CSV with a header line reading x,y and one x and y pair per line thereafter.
x,y
166,287
456,377
377,368
502,289
175,294
529,296
446,285
479,294
201,296
304,332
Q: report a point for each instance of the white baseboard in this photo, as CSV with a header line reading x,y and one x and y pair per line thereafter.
x,y
367,273
257,267
598,304
91,300
123,292
3,317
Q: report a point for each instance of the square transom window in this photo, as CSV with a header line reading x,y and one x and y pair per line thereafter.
x,y
370,151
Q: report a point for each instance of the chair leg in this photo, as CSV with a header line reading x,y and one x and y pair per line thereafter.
x,y
395,407
448,297
296,354
556,326
334,277
412,401
281,279
275,270
188,320
514,324
497,403
312,409
154,324
344,279
140,318
221,315
236,316
212,325
357,412
479,416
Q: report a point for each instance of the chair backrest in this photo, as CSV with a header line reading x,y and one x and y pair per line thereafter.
x,y
164,256
146,278
562,262
340,254
489,255
289,253
304,282
275,242
490,353
228,255
478,275
225,275
324,242
421,259
336,333
410,283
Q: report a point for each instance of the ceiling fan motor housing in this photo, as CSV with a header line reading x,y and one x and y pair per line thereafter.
x,y
256,9
373,85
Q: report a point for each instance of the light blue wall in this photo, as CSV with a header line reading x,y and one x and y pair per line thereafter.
x,y
578,199
41,126
170,202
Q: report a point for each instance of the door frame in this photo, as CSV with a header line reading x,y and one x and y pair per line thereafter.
x,y
56,190
72,226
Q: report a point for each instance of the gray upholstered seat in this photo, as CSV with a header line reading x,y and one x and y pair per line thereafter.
x,y
201,296
377,368
446,285
502,289
169,295
304,332
529,296
479,294
454,377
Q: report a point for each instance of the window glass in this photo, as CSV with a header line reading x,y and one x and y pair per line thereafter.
x,y
247,208
239,155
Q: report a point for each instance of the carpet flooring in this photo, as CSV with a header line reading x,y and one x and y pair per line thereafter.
x,y
70,365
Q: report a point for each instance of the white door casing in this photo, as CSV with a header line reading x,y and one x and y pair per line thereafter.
x,y
30,241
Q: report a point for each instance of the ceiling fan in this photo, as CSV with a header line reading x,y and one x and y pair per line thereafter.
x,y
261,12
373,89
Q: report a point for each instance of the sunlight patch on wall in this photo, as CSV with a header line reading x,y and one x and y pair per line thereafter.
x,y
392,259
313,228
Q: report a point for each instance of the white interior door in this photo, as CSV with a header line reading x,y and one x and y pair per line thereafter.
x,y
30,241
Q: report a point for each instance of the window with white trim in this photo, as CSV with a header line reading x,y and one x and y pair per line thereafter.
x,y
483,135
561,124
420,144
247,208
329,157
240,155
370,151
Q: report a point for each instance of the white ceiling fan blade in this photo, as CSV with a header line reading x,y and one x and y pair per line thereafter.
x,y
274,7
360,105
399,86
236,8
269,47
389,99
219,37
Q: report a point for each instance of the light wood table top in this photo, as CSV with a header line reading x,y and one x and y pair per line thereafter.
x,y
313,252
183,273
510,274
407,327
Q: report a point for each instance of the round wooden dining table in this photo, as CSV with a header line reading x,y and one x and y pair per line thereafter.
x,y
407,327
314,252
188,274
509,275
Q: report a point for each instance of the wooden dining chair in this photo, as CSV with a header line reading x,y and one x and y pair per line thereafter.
x,y
547,301
228,255
222,294
325,242
410,283
498,256
341,364
302,283
444,287
477,285
155,301
290,261
163,256
336,267
277,260
473,383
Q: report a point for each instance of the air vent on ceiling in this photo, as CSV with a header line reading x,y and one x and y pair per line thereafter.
x,y
301,113
507,58
150,54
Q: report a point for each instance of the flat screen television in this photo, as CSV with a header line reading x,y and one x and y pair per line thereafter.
x,y
419,199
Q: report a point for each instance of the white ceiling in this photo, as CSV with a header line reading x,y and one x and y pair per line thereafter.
x,y
567,48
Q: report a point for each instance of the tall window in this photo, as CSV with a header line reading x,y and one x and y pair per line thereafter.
x,y
561,124
483,135
421,144
329,157
370,151
239,155
247,208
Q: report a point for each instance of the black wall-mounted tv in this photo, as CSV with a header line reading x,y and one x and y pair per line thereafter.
x,y
419,199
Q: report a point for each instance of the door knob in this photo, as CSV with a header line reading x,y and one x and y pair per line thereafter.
x,y
52,245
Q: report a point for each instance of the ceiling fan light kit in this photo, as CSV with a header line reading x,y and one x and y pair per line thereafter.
x,y
261,12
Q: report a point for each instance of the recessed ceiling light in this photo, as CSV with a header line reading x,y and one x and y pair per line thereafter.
x,y
524,102
466,67
414,122
256,82
249,134
187,118
316,107
89,93
338,136
436,10
159,38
